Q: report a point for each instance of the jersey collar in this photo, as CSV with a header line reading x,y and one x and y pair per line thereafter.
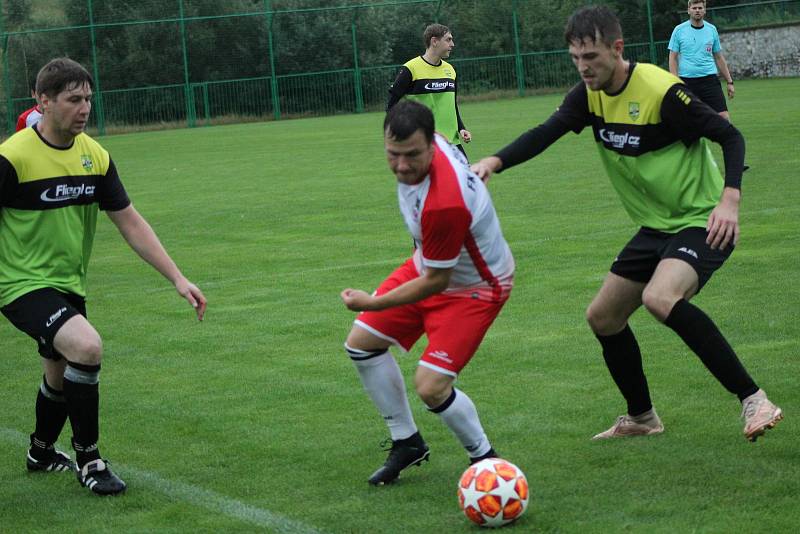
x,y
48,143
631,66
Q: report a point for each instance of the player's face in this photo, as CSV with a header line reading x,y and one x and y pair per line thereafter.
x,y
445,45
409,159
596,62
697,11
68,112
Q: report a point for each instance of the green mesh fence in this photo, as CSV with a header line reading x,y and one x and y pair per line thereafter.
x,y
199,62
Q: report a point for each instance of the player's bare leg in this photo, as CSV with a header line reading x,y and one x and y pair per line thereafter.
x,y
667,298
456,410
607,316
81,346
385,386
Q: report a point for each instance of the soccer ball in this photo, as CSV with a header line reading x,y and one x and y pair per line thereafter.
x,y
493,492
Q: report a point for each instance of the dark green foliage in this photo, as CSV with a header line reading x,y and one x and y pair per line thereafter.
x,y
141,44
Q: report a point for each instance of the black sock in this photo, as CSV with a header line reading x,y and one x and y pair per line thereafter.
x,y
51,414
83,399
700,333
624,362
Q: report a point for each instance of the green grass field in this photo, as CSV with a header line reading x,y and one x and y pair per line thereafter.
x,y
255,419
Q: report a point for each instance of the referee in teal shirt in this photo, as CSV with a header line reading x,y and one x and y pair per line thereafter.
x,y
695,55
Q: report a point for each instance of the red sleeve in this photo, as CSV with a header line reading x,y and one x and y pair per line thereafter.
x,y
21,121
443,234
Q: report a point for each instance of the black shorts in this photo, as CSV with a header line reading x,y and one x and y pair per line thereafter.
x,y
640,257
41,313
709,90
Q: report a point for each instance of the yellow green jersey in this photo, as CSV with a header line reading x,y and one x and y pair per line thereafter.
x,y
651,137
49,200
435,87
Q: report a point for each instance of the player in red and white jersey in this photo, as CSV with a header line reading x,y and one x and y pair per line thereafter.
x,y
30,116
452,220
451,290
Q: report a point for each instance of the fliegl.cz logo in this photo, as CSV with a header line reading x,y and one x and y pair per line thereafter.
x,y
62,193
619,140
439,86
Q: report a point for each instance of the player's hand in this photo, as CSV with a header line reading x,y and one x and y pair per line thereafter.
x,y
485,167
731,90
357,300
193,295
723,223
465,135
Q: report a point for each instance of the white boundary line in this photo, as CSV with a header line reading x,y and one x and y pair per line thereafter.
x,y
194,495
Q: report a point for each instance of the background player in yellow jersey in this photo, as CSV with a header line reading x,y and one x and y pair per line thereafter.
x,y
430,80
53,180
650,131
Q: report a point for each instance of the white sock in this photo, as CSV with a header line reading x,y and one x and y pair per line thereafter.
x,y
384,383
459,414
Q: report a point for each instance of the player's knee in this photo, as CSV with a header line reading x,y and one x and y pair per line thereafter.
x,y
601,321
658,302
356,342
88,351
55,382
360,339
432,392
432,396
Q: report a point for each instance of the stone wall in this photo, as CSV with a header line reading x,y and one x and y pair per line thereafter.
x,y
769,52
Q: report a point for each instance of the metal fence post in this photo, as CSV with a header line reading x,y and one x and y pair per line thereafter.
x,y
438,10
206,104
98,96
356,69
650,30
187,90
6,75
7,84
276,101
517,56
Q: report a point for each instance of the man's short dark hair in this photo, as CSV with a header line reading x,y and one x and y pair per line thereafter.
x,y
59,74
434,30
593,22
405,118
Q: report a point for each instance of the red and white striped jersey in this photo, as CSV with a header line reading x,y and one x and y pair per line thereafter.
x,y
452,219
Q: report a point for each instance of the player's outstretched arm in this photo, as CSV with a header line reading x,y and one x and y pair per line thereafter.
x,y
535,141
432,282
486,167
141,238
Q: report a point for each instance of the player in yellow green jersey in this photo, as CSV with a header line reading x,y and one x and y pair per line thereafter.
x,y
53,181
431,80
650,131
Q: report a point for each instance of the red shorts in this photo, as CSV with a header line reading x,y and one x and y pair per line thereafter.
x,y
455,325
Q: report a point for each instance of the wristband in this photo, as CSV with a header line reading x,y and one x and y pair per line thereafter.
x,y
730,82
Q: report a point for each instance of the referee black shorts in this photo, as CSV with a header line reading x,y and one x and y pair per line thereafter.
x,y
640,257
709,90
41,313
